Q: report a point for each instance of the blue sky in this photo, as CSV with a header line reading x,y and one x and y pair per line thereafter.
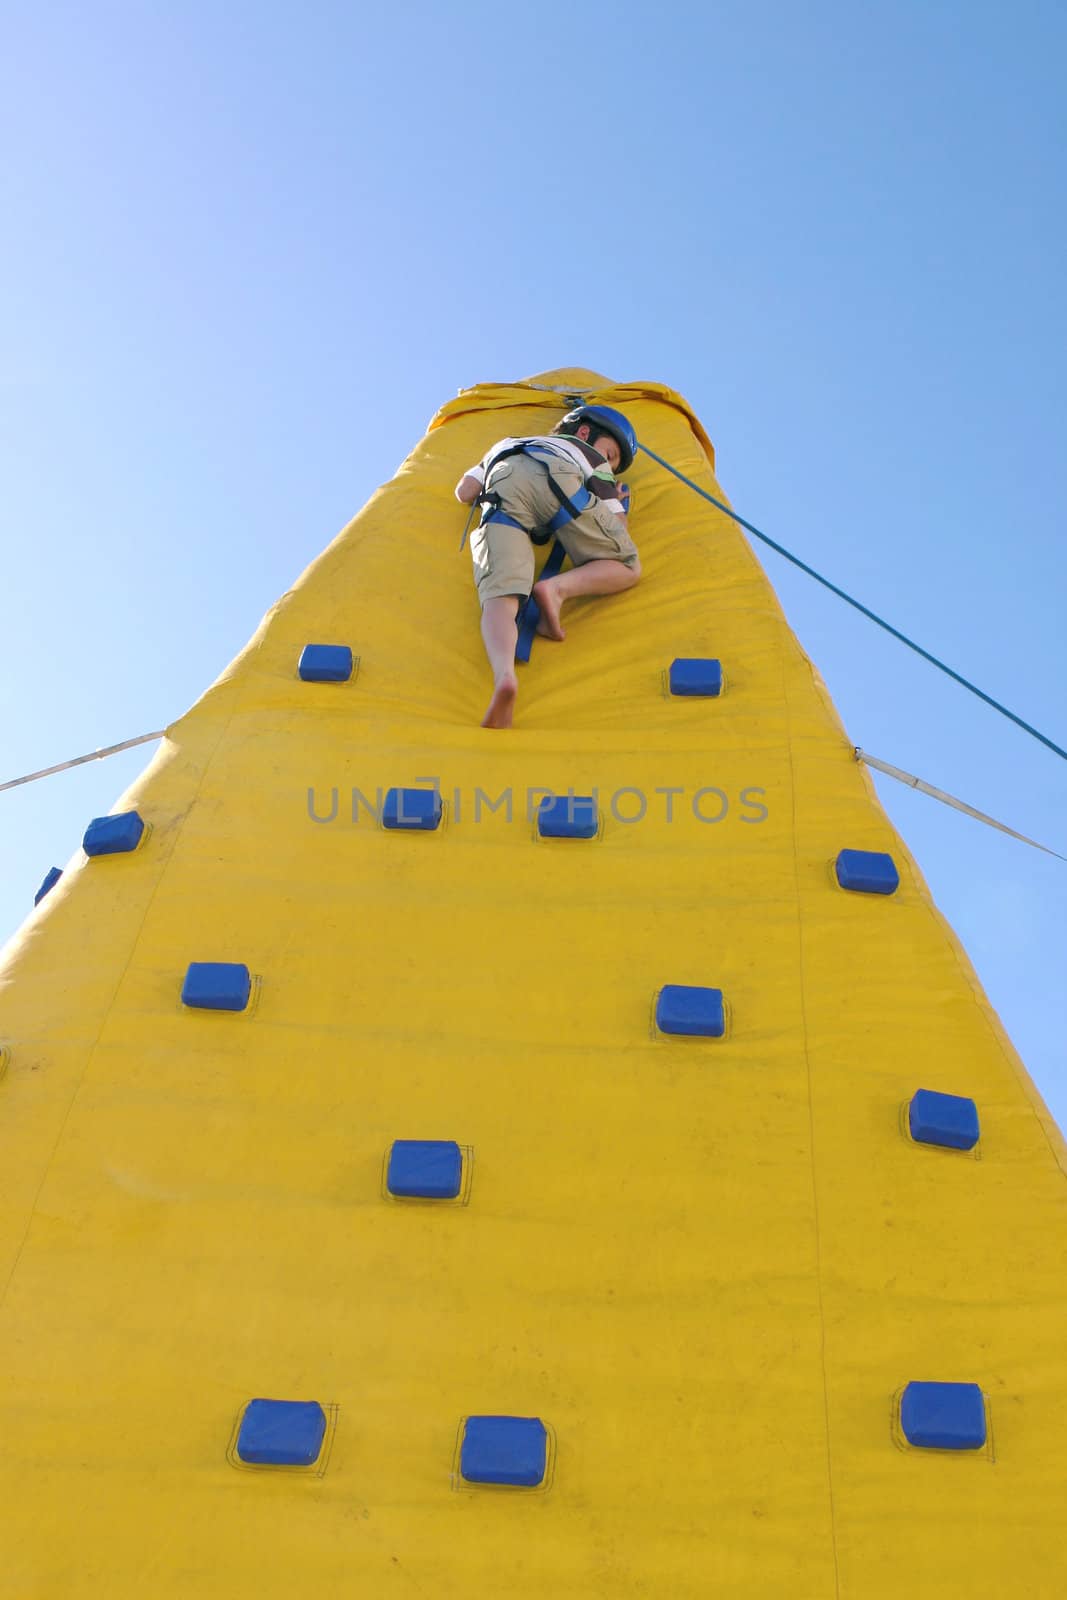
x,y
250,249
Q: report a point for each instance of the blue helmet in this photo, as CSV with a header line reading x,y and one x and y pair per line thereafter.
x,y
602,419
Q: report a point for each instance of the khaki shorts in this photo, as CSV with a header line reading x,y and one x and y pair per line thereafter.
x,y
504,557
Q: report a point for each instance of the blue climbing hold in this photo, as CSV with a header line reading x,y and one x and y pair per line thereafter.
x,y
112,836
946,1119
325,663
281,1433
505,1450
684,1009
217,986
414,810
425,1169
943,1416
696,676
51,878
568,816
867,871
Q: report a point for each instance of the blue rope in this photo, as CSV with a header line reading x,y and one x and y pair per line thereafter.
x,y
529,615
855,603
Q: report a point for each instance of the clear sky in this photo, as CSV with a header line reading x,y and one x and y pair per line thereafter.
x,y
249,249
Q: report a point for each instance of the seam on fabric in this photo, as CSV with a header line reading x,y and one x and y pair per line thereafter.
x,y
811,1134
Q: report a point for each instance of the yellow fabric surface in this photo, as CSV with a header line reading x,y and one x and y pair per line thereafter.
x,y
709,1265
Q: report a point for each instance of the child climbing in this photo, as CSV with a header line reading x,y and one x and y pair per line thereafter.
x,y
562,484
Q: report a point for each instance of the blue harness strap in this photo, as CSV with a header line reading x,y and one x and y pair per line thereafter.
x,y
530,614
496,515
578,502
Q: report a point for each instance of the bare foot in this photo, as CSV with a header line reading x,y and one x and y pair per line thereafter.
x,y
548,605
502,705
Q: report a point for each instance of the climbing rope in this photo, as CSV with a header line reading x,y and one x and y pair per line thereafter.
x,y
873,616
94,755
913,782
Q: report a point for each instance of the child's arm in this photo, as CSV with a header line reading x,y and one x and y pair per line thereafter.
x,y
468,489
619,503
609,492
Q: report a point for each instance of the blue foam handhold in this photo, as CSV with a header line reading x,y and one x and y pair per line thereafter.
x,y
943,1416
867,871
325,663
425,1169
281,1433
417,810
112,836
51,878
568,816
945,1119
681,1008
696,675
217,985
505,1450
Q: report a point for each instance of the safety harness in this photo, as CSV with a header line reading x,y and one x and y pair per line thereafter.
x,y
569,506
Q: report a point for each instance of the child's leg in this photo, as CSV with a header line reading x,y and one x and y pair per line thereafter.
x,y
503,571
592,577
603,561
500,635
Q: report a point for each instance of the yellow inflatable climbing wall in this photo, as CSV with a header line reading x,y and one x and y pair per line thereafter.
x,y
456,1210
